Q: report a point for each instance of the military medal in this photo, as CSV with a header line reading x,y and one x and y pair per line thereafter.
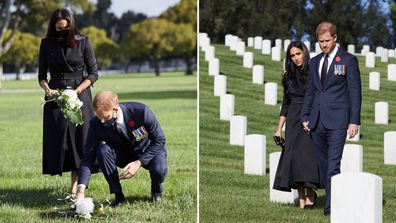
x,y
140,133
339,69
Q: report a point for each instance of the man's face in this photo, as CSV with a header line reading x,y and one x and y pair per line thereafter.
x,y
106,114
327,42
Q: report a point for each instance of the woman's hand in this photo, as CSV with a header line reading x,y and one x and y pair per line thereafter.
x,y
50,91
278,133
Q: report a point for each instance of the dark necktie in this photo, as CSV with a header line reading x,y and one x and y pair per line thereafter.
x,y
119,131
324,69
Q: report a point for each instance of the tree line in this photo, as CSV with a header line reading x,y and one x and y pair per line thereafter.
x,y
132,37
359,22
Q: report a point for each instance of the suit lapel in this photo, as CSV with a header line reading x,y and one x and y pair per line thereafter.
x,y
127,118
64,56
330,73
317,75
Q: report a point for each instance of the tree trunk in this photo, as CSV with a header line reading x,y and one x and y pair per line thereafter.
x,y
17,71
157,66
1,73
188,61
127,66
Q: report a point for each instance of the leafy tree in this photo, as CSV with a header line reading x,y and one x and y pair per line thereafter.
x,y
184,14
106,50
23,51
151,38
31,14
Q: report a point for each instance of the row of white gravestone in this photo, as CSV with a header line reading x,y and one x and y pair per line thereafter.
x,y
374,77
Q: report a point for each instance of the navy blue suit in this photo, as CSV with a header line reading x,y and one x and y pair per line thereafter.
x,y
330,109
112,150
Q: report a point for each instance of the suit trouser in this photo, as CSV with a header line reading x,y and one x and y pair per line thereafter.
x,y
329,145
109,158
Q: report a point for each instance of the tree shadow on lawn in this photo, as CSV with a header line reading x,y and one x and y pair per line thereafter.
x,y
66,212
186,94
30,197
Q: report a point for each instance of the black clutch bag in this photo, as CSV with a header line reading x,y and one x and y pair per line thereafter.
x,y
279,141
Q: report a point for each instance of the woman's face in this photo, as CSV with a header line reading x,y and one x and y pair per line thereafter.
x,y
61,25
297,56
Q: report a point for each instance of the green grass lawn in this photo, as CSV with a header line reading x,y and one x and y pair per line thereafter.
x,y
28,196
226,194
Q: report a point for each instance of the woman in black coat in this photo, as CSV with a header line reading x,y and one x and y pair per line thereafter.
x,y
297,167
64,52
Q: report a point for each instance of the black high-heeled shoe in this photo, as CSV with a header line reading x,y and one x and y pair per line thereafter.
x,y
311,206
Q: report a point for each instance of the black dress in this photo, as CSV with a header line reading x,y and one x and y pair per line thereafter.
x,y
297,164
62,140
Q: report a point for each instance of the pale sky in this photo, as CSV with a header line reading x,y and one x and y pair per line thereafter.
x,y
151,8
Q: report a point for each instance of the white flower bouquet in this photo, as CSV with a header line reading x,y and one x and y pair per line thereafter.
x,y
69,103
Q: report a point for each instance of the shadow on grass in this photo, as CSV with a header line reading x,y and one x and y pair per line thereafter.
x,y
30,198
187,94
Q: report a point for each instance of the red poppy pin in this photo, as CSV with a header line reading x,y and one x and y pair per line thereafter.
x,y
131,124
73,44
338,59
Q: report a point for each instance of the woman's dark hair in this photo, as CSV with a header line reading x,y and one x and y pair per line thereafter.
x,y
291,70
71,24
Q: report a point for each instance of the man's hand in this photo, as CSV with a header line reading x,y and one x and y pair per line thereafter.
x,y
305,127
353,129
80,191
130,170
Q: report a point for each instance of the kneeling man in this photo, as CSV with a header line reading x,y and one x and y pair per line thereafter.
x,y
126,135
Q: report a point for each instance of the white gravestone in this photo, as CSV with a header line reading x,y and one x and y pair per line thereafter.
x,y
250,41
254,154
308,45
352,158
391,72
214,67
384,55
381,112
233,44
356,198
248,60
270,93
374,81
370,59
209,53
227,105
278,43
220,85
240,48
258,41
276,53
317,48
266,47
276,195
286,44
365,49
390,147
378,51
238,125
228,39
258,74
351,49
204,43
391,53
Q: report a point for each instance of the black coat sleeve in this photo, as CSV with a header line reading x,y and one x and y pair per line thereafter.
x,y
90,62
43,62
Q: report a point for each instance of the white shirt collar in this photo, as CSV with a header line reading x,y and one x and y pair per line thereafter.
x,y
120,118
332,54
